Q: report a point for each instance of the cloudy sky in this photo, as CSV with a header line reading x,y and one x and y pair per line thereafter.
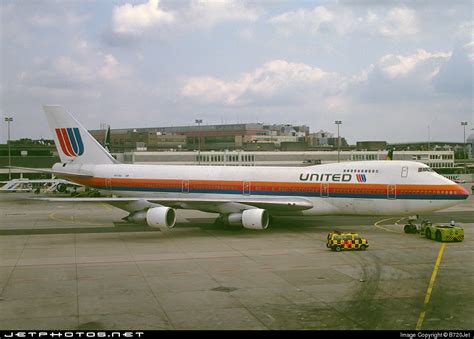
x,y
390,70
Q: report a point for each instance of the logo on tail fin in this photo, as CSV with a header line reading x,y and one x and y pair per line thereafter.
x,y
70,141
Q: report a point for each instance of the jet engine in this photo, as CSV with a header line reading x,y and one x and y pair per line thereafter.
x,y
254,219
159,217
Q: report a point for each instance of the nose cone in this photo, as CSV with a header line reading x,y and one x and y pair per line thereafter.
x,y
462,192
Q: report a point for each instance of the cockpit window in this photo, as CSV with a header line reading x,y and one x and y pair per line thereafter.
x,y
424,169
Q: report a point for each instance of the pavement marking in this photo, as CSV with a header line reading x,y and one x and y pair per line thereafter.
x,y
73,220
383,228
430,287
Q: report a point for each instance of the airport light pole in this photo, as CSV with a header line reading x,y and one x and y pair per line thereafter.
x,y
199,122
464,124
338,122
9,120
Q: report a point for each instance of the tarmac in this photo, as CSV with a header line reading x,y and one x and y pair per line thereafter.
x,y
79,266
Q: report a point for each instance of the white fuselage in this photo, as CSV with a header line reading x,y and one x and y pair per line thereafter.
x,y
360,188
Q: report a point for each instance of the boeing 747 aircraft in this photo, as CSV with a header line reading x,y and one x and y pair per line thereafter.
x,y
246,196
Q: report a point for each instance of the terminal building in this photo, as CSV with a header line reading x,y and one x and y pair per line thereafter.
x,y
250,144
247,137
435,159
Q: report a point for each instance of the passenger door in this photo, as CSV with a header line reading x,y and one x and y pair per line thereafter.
x,y
185,186
391,192
246,188
108,184
324,190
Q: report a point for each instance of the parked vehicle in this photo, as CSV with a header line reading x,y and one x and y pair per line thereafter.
x,y
338,241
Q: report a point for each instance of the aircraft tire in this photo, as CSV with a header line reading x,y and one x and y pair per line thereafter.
x,y
428,233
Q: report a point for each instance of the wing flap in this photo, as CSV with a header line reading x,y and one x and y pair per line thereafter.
x,y
218,205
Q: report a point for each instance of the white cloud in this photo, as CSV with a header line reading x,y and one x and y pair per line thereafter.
x,y
301,20
466,35
129,19
134,20
280,82
205,13
396,23
398,65
399,22
72,72
111,68
266,82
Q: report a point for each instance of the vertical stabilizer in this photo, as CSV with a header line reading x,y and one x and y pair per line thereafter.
x,y
73,142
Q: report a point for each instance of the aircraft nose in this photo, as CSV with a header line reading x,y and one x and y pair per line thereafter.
x,y
462,192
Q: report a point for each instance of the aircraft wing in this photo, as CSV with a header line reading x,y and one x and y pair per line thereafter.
x,y
50,171
213,205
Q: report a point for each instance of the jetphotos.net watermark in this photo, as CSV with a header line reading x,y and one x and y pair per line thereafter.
x,y
71,334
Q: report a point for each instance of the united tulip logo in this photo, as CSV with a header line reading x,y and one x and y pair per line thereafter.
x,y
70,141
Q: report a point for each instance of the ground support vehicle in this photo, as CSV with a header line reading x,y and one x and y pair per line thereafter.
x,y
442,232
338,241
411,227
435,231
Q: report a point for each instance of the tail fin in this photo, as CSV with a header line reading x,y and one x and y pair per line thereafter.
x,y
73,142
389,154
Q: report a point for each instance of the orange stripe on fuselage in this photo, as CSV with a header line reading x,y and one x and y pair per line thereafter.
x,y
261,186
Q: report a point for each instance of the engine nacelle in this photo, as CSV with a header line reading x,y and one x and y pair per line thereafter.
x,y
161,217
255,219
